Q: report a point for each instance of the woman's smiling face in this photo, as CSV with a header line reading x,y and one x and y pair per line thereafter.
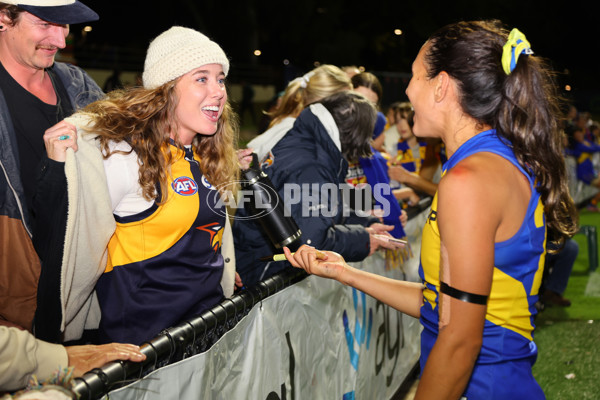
x,y
201,97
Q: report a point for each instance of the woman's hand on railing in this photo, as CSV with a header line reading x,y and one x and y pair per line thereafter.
x,y
87,357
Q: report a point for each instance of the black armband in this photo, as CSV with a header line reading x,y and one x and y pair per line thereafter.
x,y
463,296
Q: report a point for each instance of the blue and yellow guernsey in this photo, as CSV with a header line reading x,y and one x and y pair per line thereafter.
x,y
407,157
165,263
503,368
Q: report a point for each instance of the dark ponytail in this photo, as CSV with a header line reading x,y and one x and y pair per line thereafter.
x,y
523,106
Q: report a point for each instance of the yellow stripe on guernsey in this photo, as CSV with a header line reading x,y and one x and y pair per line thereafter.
x,y
140,240
431,256
539,222
508,297
584,157
508,301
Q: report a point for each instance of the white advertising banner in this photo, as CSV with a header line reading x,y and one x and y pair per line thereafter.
x,y
316,339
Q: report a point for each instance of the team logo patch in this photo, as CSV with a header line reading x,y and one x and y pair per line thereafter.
x,y
216,234
185,186
206,183
268,160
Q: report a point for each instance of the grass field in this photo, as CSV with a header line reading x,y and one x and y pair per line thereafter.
x,y
568,339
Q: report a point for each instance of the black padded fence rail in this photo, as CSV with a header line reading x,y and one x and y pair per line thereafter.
x,y
184,340
193,336
418,208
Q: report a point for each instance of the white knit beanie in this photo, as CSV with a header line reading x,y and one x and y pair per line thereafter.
x,y
176,52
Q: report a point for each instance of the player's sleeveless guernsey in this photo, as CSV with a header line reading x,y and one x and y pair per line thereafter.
x,y
407,157
503,368
165,263
586,170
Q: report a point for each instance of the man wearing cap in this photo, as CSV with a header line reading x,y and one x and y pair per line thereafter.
x,y
36,94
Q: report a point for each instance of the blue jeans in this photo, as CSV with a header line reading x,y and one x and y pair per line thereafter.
x,y
559,266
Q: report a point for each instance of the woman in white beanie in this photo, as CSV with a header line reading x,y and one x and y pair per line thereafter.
x,y
168,148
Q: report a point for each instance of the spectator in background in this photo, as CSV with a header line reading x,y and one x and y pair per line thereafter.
x,y
369,86
389,142
571,115
36,94
411,150
311,158
584,152
367,172
583,122
307,89
412,153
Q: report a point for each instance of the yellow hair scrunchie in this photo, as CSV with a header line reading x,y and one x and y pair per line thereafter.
x,y
516,45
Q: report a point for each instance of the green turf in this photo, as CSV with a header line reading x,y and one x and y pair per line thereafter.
x,y
568,338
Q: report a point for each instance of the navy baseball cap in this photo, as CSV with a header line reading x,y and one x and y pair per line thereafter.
x,y
57,11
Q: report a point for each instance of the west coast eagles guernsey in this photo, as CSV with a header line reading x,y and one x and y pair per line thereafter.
x,y
409,157
164,263
503,368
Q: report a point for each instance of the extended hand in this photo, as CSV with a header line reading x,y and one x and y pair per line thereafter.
x,y
379,229
379,237
398,173
326,264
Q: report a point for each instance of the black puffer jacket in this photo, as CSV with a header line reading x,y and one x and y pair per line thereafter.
x,y
305,161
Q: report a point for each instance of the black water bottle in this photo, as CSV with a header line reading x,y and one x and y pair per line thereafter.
x,y
265,206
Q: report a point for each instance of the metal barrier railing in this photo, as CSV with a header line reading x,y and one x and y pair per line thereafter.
x,y
184,340
418,208
193,336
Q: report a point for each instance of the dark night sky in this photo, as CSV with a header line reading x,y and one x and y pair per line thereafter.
x,y
344,32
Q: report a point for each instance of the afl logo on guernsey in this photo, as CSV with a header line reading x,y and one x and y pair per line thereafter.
x,y
185,186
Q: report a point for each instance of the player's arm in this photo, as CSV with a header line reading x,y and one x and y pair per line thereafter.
x,y
468,219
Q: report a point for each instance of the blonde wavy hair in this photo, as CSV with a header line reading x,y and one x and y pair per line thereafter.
x,y
324,81
143,117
